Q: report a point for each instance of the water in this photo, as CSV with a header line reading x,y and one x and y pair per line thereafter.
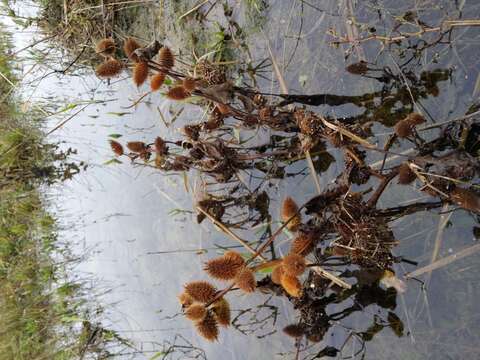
x,y
120,215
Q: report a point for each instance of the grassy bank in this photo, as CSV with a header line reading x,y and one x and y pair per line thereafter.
x,y
43,314
77,25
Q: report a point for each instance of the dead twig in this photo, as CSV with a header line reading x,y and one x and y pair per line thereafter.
x,y
443,262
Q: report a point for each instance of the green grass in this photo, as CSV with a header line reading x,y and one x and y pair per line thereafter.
x,y
43,314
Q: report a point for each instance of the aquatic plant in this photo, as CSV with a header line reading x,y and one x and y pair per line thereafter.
x,y
106,47
109,68
341,243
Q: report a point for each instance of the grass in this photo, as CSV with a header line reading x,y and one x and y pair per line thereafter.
x,y
80,23
43,314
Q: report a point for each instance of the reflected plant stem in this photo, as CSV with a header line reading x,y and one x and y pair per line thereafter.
x,y
408,209
229,232
372,202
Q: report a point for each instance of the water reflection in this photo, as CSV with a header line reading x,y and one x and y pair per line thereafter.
x,y
149,282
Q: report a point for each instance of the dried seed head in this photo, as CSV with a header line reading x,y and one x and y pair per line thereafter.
x,y
359,68
189,84
140,73
277,274
303,244
136,146
192,131
212,124
160,146
235,256
289,209
292,285
117,148
294,264
156,81
177,93
466,199
294,330
265,113
185,299
208,327
201,291
405,174
415,119
196,312
109,68
223,109
105,47
403,128
221,311
245,280
308,122
166,58
129,47
315,337
222,268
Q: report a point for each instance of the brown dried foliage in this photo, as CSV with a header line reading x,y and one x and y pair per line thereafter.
x,y
405,174
340,251
221,311
235,256
308,122
289,209
245,280
405,127
223,109
129,47
157,80
160,146
223,268
294,264
105,47
177,93
185,299
416,119
196,312
140,73
166,58
277,274
189,84
212,74
292,285
265,113
359,68
136,146
303,244
201,291
117,148
294,330
109,68
208,327
466,199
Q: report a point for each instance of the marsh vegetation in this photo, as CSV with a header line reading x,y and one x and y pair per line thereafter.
x,y
335,151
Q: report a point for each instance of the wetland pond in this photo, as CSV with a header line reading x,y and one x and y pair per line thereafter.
x,y
351,196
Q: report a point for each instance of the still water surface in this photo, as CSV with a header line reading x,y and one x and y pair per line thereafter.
x,y
120,215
